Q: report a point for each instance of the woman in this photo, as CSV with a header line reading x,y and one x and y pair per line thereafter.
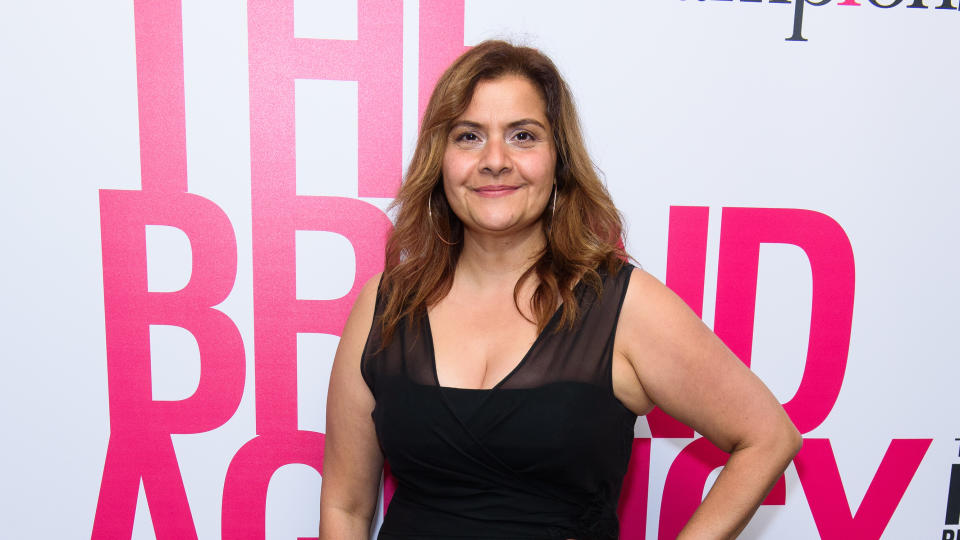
x,y
500,361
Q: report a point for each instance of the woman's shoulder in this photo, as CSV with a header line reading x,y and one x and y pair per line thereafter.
x,y
654,317
369,291
361,316
645,292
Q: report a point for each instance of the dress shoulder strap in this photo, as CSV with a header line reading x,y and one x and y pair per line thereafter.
x,y
407,354
583,353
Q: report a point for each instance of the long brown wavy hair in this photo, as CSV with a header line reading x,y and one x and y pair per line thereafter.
x,y
583,231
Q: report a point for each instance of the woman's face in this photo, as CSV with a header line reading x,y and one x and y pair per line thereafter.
x,y
498,166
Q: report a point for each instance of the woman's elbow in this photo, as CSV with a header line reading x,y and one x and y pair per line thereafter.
x,y
779,441
788,439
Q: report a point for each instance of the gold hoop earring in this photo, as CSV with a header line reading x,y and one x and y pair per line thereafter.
x,y
430,216
553,212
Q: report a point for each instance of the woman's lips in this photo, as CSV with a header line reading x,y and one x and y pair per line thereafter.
x,y
495,190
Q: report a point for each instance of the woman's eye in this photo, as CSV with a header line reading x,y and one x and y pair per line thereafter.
x,y
467,137
524,137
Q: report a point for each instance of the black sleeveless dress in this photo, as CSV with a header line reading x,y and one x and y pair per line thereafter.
x,y
541,455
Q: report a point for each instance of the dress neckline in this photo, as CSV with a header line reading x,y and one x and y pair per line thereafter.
x,y
523,360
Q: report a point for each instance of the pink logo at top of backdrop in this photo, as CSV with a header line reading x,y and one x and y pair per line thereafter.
x,y
140,446
798,7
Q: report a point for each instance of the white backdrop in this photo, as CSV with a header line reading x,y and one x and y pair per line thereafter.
x,y
685,104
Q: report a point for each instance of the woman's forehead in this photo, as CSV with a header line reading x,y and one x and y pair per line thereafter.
x,y
507,98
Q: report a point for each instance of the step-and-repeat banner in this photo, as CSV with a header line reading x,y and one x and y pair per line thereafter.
x,y
193,193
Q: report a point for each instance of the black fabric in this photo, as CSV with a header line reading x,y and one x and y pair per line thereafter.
x,y
541,455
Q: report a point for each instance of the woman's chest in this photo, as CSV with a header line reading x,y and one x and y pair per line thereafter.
x,y
478,346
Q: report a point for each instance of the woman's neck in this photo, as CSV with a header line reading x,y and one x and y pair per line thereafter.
x,y
496,261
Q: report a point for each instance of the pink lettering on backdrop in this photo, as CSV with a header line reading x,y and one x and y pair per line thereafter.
x,y
687,254
245,491
389,485
441,41
743,230
832,272
632,508
374,60
277,58
820,478
686,273
140,446
140,427
831,312
685,484
160,96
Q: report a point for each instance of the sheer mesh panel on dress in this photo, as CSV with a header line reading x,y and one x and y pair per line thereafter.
x,y
566,356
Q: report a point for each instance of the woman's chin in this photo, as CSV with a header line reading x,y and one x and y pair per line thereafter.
x,y
503,227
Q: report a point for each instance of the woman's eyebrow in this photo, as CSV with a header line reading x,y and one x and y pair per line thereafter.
x,y
515,124
526,122
466,124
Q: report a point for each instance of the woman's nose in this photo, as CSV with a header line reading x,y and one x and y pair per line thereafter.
x,y
496,158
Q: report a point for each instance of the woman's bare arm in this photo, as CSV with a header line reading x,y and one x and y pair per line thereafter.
x,y
352,460
688,372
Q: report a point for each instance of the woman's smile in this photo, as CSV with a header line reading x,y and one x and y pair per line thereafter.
x,y
495,190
